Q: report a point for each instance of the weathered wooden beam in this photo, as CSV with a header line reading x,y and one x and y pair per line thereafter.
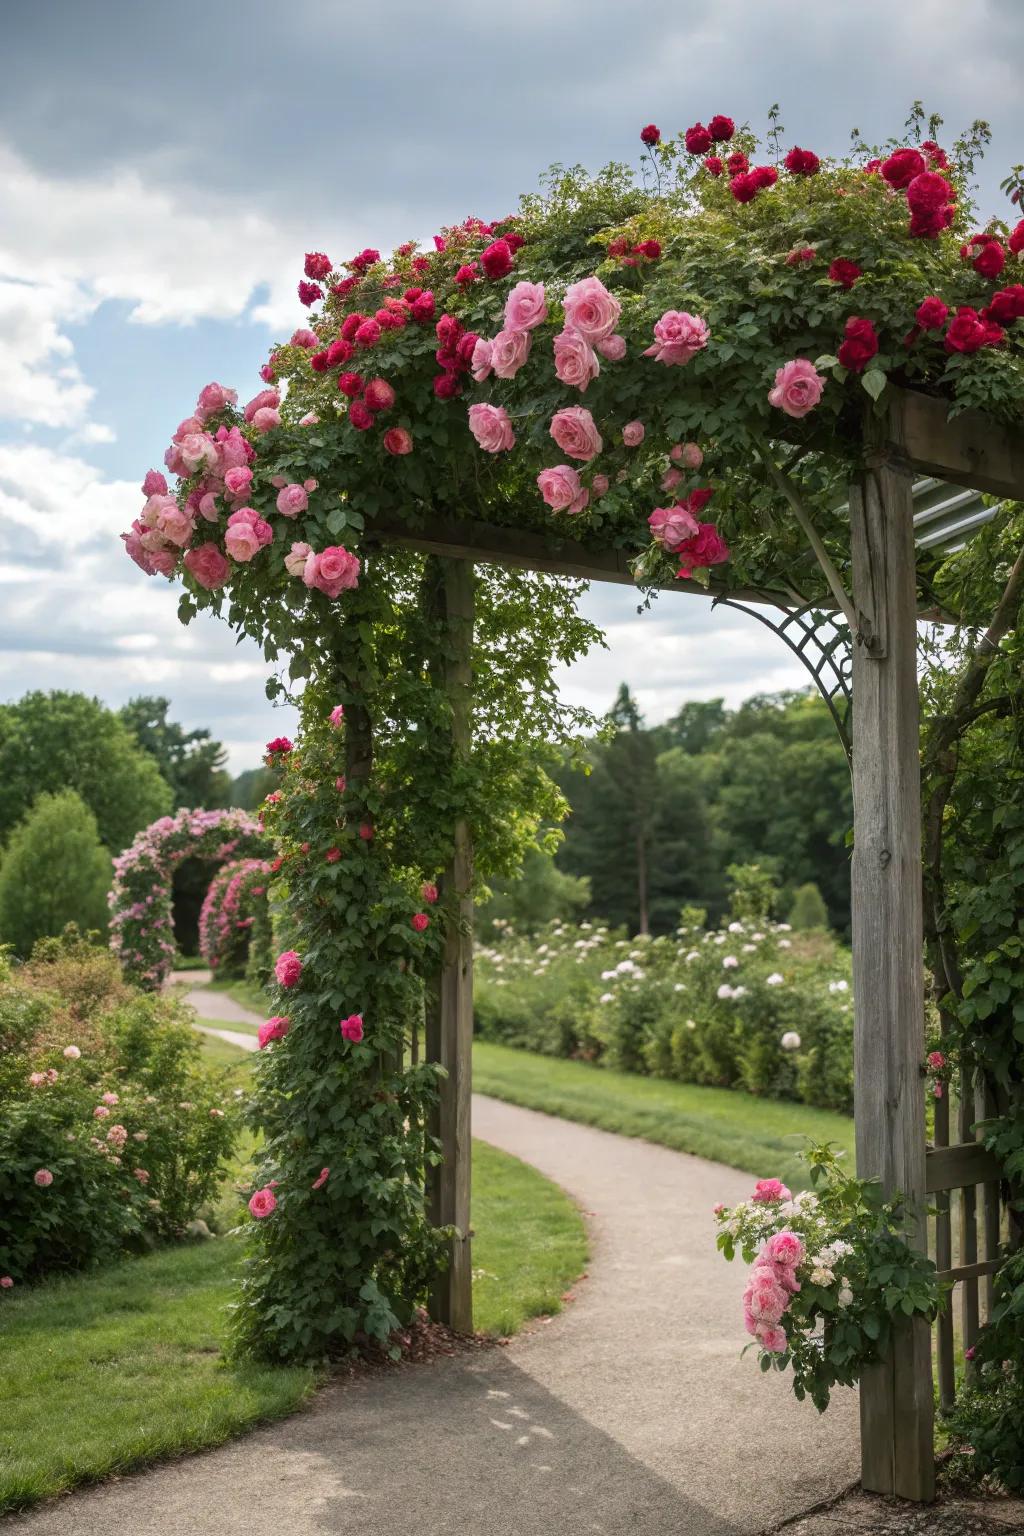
x,y
897,1453
522,549
450,1012
971,449
960,1166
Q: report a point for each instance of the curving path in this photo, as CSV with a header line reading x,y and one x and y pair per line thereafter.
x,y
629,1412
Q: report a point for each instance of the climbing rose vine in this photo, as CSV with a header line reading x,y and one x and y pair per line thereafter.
x,y
237,892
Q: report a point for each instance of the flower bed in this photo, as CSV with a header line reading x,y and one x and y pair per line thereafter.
x,y
111,1132
749,1006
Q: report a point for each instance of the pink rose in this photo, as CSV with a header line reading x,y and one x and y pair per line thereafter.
x,y
309,420
196,449
208,566
429,891
292,500
670,479
599,484
266,419
213,398
688,454
398,441
321,1179
43,1177
246,534
706,548
6,1282
295,560
678,337
420,921
263,1203
273,1029
768,1191
288,968
233,450
336,717
576,361
492,428
480,363
509,351
352,1028
784,1247
191,425
525,307
175,524
591,310
612,347
208,507
333,571
670,526
267,398
774,1340
798,387
633,434
305,338
574,431
561,489
154,484
379,395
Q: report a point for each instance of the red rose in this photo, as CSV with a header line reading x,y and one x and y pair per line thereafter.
x,y
360,417
420,921
338,352
1007,305
650,248
845,272
464,349
380,396
467,274
743,187
931,314
345,286
367,258
618,247
514,241
872,167
721,128
1016,241
318,362
390,319
309,293
317,265
411,295
713,165
706,547
928,225
650,135
350,384
799,255
447,386
737,163
990,259
901,168
497,260
764,176
802,162
351,324
928,192
367,334
697,139
968,332
936,155
859,346
423,307
398,441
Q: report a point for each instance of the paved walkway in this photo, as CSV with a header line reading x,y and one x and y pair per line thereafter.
x,y
629,1412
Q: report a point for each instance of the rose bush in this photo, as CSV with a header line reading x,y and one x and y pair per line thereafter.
x,y
233,915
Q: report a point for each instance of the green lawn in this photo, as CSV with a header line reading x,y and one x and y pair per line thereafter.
x,y
107,1371
761,1136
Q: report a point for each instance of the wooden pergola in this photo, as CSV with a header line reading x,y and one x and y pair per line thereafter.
x,y
913,437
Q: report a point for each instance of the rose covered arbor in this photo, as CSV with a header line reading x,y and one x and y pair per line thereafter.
x,y
451,445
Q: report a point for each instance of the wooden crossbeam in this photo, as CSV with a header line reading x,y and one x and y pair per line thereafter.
x,y
960,1167
971,449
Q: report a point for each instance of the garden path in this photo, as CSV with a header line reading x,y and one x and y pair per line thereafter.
x,y
631,1411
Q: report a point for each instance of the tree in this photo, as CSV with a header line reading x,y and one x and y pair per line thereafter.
x,y
695,725
251,787
55,871
808,909
50,742
191,761
539,894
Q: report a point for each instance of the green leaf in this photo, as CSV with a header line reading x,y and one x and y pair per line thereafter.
x,y
874,381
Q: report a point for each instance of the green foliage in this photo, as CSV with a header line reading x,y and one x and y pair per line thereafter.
x,y
54,871
808,910
857,1273
50,742
987,1424
754,894
132,1129
191,762
541,893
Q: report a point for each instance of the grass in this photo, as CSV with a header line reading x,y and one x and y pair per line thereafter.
x,y
108,1371
761,1136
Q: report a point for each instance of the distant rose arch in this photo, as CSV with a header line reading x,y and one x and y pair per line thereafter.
x,y
141,924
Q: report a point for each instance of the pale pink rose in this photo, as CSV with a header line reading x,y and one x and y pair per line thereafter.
x,y
72,1053
117,1135
591,310
292,500
176,525
213,398
247,533
263,1203
234,451
266,399
6,1282
305,338
208,507
561,489
43,1177
310,485
237,481
154,484
279,481
768,1191
492,428
633,434
187,428
163,562
111,1098
576,361
196,449
670,479
678,337
174,461
336,717
613,348
266,419
207,565
509,351
101,1112
797,389
688,454
295,560
785,1247
774,1340
599,484
480,365
333,571
671,526
575,432
525,307
309,420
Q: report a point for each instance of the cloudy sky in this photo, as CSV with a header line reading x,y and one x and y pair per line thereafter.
x,y
163,169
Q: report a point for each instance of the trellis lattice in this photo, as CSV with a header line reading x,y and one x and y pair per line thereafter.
x,y
822,642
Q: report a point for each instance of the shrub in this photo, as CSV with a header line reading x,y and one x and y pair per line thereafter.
x,y
110,1100
55,871
808,909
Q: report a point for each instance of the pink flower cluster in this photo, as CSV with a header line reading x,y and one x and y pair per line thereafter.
x,y
288,968
770,1288
273,1029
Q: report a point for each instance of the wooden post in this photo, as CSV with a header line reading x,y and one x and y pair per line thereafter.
x,y
897,1452
449,1027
